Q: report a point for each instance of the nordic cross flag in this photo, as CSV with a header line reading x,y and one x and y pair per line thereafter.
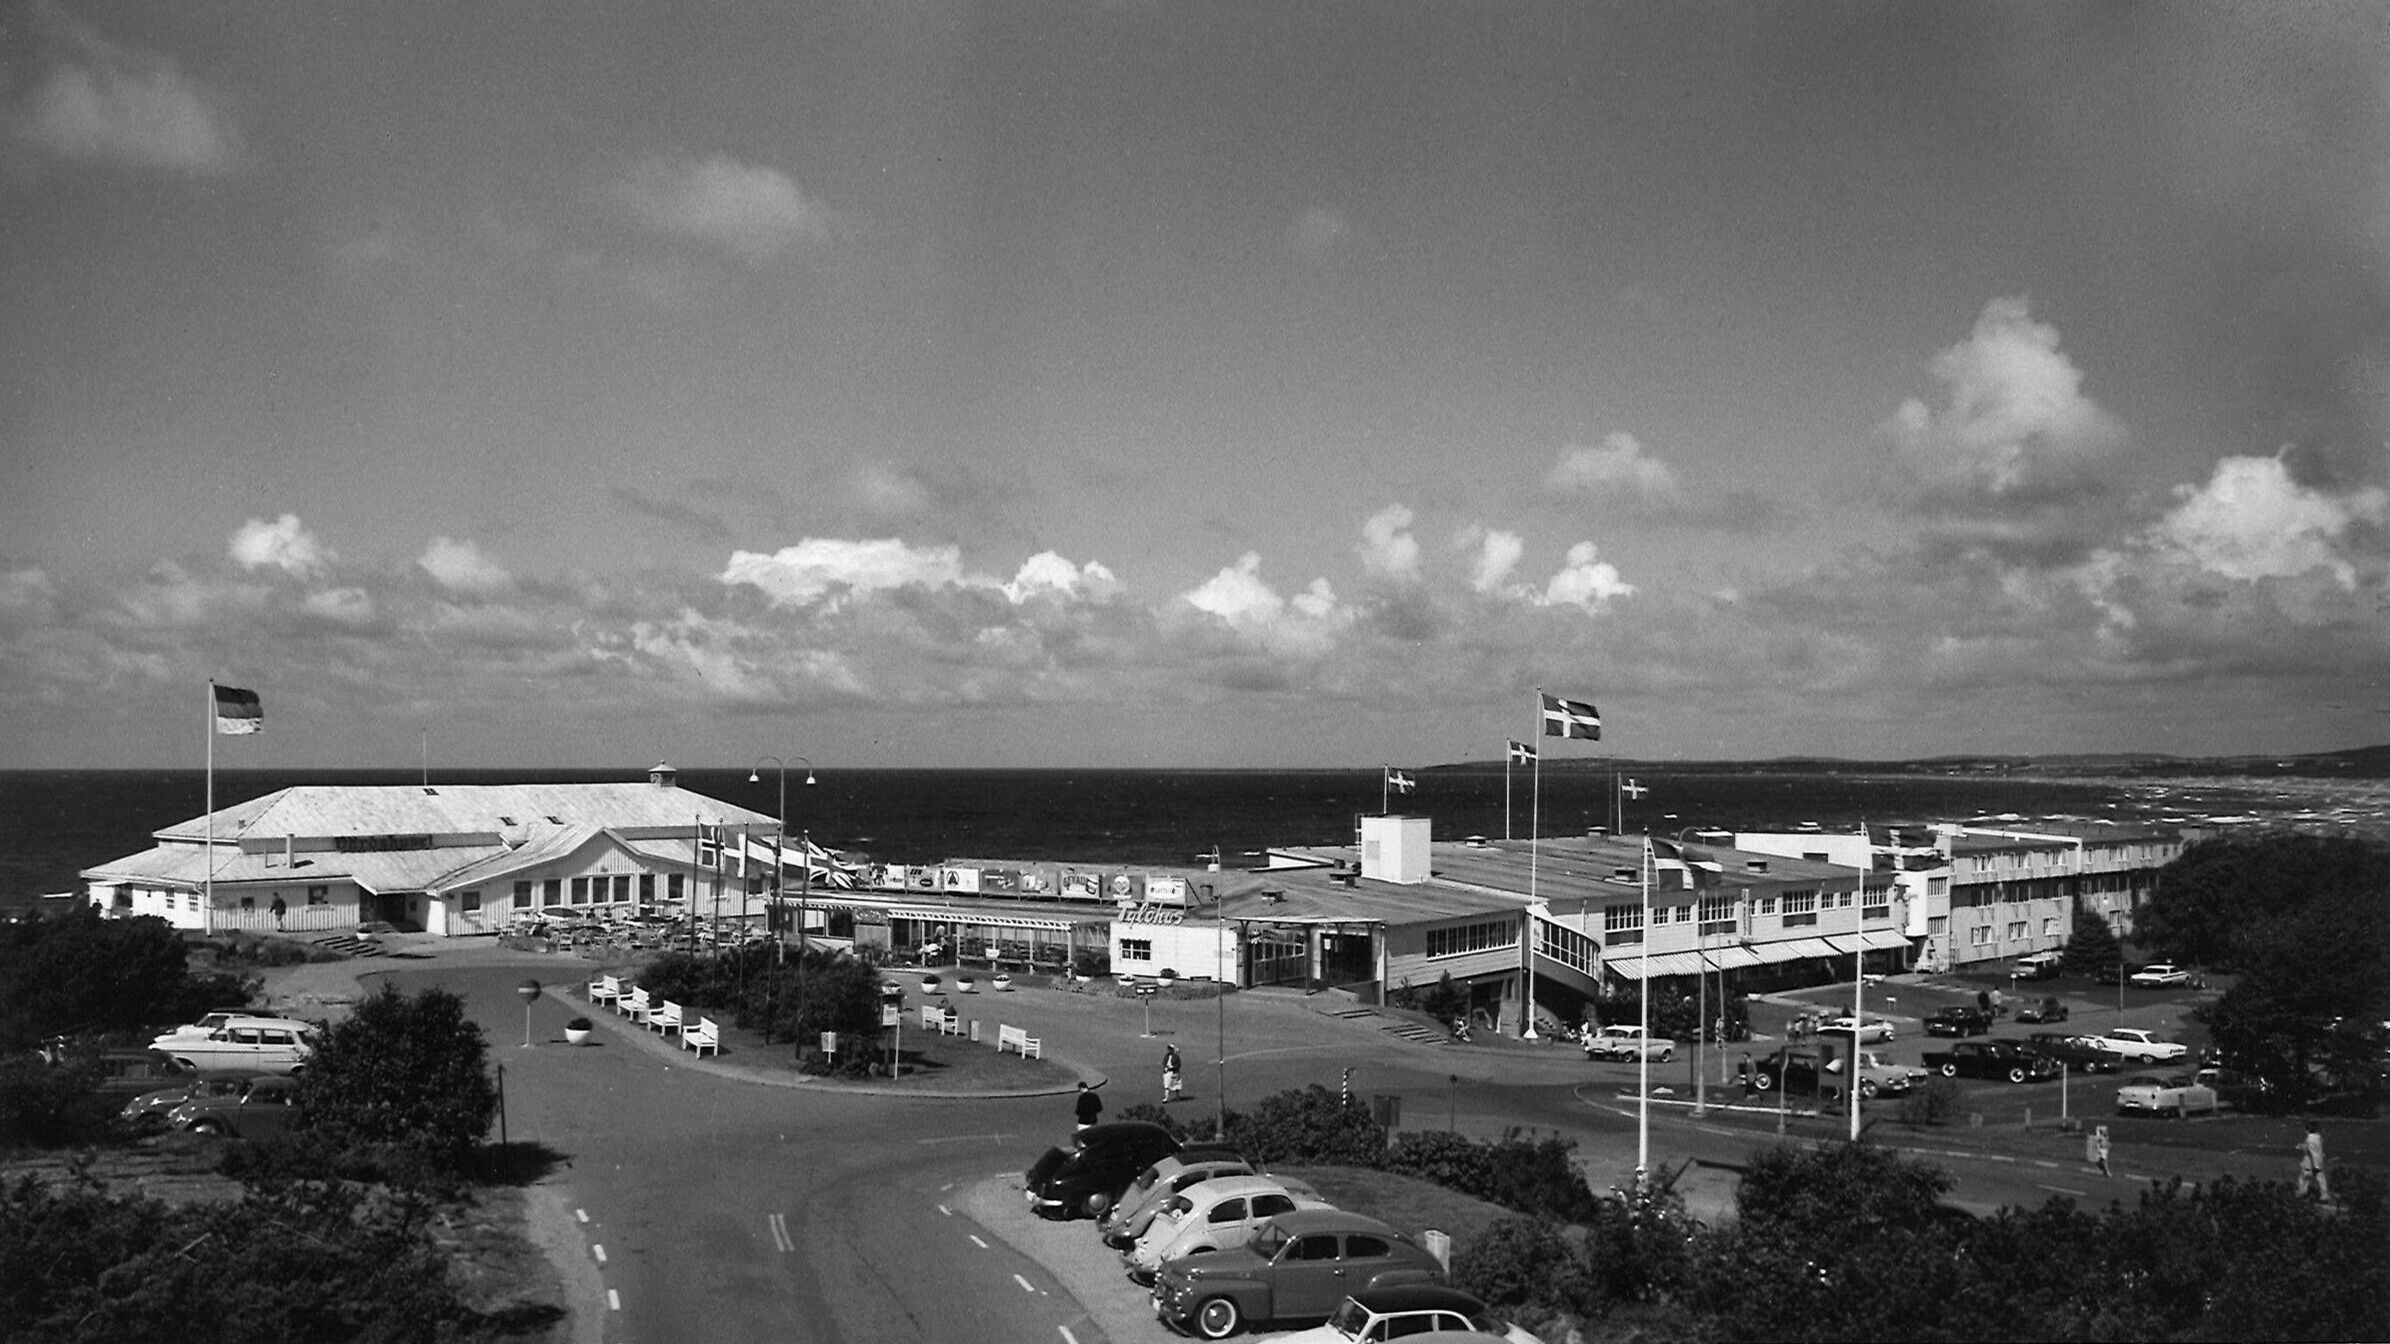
x,y
1571,718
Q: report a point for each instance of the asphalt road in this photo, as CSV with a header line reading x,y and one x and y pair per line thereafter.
x,y
714,1206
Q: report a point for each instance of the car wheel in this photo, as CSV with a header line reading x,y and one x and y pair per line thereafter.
x,y
1950,1070
1761,1082
1218,1318
1866,1089
207,1127
2016,1073
1668,1055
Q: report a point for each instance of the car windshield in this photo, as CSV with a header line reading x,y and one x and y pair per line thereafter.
x,y
1350,1320
1269,1241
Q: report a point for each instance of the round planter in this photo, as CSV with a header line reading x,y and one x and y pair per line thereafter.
x,y
576,1035
1165,980
929,984
965,985
1002,983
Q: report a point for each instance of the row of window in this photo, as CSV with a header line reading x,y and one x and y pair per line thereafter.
x,y
1466,938
602,889
2018,931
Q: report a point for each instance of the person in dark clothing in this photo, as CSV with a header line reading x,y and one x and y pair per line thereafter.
x,y
1091,1106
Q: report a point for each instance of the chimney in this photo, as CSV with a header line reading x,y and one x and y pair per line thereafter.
x,y
663,776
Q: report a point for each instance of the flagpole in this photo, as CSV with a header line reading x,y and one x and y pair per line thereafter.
x,y
1527,920
1643,1082
207,723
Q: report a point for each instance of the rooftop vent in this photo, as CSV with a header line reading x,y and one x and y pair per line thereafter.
x,y
1755,865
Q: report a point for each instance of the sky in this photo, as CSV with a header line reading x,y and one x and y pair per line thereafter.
x,y
1190,385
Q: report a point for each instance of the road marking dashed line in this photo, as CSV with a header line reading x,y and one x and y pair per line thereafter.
x,y
1026,1285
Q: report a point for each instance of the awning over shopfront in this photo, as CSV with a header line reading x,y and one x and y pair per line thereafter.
x,y
1875,940
1736,956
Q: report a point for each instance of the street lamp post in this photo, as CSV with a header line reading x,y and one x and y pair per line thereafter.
x,y
780,873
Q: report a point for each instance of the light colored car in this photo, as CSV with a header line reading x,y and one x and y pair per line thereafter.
x,y
2137,1044
1879,1077
1127,1220
206,1024
1218,1215
1628,1043
2170,1094
255,1044
2161,974
1409,1311
1874,1030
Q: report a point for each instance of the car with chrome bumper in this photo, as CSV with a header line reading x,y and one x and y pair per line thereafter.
x,y
1298,1266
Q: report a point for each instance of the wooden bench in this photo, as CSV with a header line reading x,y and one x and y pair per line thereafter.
x,y
606,989
1018,1038
633,1004
932,1015
702,1037
664,1018
950,1023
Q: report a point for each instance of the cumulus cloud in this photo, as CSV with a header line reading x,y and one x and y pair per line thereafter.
x,y
2013,424
1387,549
752,212
819,567
284,544
1617,469
461,567
1048,573
1306,623
99,100
1585,582
2252,521
1498,555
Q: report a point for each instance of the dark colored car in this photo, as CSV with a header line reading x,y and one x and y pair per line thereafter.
x,y
1958,1021
1085,1179
2011,1060
1298,1266
147,1112
2048,1010
127,1073
265,1106
2076,1052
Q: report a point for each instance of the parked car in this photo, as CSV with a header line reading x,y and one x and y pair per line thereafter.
x,y
2241,1091
265,1106
1879,1077
2076,1052
1875,1030
2136,1043
1627,1043
1958,1020
259,1044
1085,1179
1298,1266
2161,974
148,1112
126,1073
1217,1215
1127,1220
1408,1311
207,1023
2039,965
1794,1067
2167,1094
2012,1060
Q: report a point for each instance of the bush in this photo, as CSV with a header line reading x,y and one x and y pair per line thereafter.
x,y
1312,1127
1931,1103
52,1106
407,1071
1518,1262
1532,1176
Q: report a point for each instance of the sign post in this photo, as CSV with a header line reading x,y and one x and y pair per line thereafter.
x,y
1145,995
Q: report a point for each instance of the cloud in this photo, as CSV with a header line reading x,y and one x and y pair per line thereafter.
x,y
2013,426
819,567
1498,555
1306,624
1617,469
461,567
2251,521
1387,550
283,544
1585,582
1049,574
98,100
751,212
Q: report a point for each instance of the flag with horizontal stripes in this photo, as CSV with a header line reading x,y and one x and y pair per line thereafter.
x,y
1570,718
238,711
1521,754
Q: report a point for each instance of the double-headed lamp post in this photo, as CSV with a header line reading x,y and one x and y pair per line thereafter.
x,y
780,871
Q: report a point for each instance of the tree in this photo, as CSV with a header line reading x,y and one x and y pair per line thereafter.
x,y
2091,947
2217,890
408,1072
76,973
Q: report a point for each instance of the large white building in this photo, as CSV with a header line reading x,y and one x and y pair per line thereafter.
x,y
443,858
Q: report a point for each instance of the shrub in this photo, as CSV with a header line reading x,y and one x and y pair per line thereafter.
x,y
1312,1127
52,1106
1932,1103
1518,1262
403,1070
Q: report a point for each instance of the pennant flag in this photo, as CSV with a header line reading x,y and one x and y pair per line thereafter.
x,y
1521,754
1400,782
1571,718
238,711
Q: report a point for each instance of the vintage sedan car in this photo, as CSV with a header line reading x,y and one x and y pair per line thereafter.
x,y
1409,1311
1623,1042
2076,1052
2165,1094
1960,1020
1875,1030
2048,1010
2160,974
246,1044
2040,965
265,1106
2012,1060
2136,1043
1085,1179
1297,1267
147,1113
1217,1215
2234,1088
1127,1220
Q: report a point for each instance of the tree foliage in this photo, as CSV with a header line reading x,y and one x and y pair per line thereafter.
x,y
404,1071
2091,946
763,988
78,973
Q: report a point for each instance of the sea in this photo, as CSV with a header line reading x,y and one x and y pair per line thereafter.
x,y
53,824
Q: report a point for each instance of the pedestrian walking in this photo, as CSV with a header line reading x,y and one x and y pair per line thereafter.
x,y
1171,1077
1090,1106
2311,1165
279,910
2099,1150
